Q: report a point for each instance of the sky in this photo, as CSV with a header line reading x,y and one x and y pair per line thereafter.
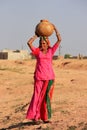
x,y
18,19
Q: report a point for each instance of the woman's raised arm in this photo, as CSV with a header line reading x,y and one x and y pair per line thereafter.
x,y
31,40
57,35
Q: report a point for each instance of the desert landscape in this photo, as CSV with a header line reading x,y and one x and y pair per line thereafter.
x,y
69,103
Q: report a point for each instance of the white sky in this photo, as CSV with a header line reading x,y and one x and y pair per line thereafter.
x,y
18,19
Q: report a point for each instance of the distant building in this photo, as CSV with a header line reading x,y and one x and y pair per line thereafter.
x,y
14,54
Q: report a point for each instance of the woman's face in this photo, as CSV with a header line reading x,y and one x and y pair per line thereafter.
x,y
44,45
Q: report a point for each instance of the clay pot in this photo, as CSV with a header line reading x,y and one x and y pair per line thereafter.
x,y
44,28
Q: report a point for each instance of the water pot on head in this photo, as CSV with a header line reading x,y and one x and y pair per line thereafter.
x,y
44,28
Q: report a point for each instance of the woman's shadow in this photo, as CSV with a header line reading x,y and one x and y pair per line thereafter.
x,y
20,125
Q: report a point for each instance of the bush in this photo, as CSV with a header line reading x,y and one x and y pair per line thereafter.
x,y
67,56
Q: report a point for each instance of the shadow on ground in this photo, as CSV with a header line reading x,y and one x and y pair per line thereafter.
x,y
19,125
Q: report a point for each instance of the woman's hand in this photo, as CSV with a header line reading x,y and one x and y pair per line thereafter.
x,y
36,34
55,29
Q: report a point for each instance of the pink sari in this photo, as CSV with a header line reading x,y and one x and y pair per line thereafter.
x,y
40,105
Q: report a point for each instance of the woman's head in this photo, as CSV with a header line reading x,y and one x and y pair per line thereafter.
x,y
44,42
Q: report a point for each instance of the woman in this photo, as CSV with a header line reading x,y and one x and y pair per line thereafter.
x,y
40,105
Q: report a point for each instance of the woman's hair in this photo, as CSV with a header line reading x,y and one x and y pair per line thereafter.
x,y
45,39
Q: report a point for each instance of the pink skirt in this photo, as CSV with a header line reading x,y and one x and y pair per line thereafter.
x,y
40,105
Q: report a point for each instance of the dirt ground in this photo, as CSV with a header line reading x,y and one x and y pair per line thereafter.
x,y
69,103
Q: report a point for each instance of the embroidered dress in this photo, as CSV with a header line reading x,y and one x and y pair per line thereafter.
x,y
40,105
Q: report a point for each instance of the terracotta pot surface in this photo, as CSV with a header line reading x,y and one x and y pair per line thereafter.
x,y
44,28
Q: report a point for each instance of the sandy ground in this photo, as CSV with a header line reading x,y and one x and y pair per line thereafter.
x,y
69,103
